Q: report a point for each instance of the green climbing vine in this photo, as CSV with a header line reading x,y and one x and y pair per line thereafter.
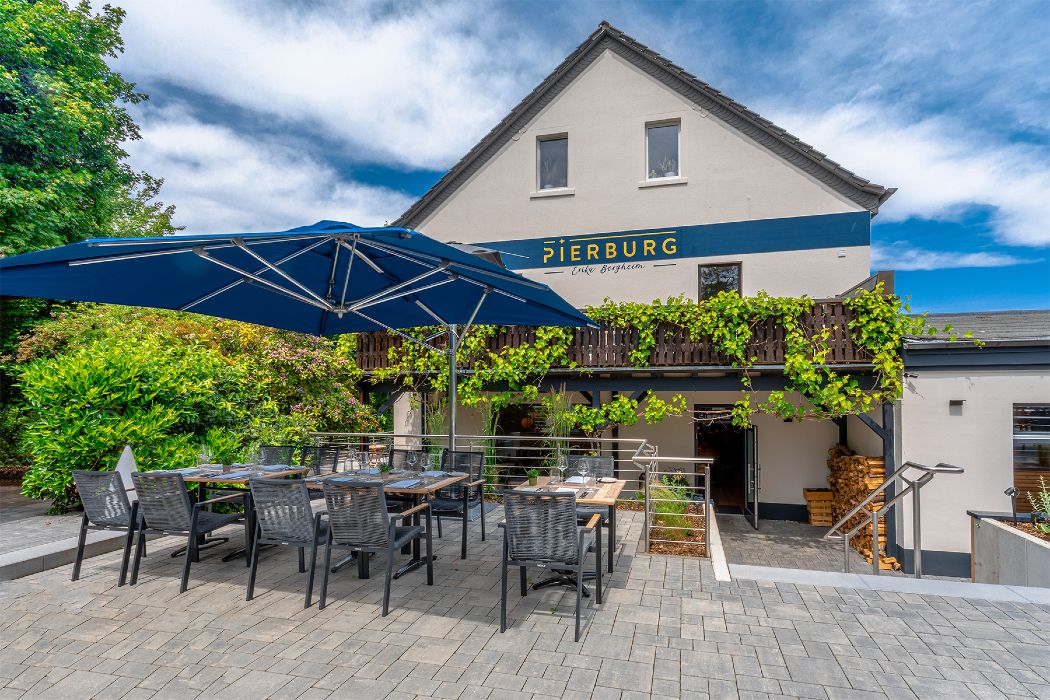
x,y
814,389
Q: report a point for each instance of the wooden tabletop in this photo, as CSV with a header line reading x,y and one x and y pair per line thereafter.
x,y
428,486
606,494
218,477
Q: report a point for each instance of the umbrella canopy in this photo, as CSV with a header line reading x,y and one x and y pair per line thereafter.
x,y
324,279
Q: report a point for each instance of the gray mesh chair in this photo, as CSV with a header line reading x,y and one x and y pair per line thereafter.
x,y
106,507
319,460
358,519
597,467
458,499
274,454
283,515
167,509
541,529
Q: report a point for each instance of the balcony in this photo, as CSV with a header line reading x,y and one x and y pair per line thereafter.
x,y
609,347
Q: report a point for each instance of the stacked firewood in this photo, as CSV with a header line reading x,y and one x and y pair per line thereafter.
x,y
852,478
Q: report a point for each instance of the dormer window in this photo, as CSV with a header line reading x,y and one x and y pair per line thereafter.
x,y
661,150
552,162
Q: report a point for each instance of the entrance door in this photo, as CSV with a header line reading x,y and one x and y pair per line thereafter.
x,y
751,475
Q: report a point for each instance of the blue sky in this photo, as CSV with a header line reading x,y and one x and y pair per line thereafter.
x,y
266,114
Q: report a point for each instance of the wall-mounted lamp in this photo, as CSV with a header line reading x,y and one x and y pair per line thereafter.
x,y
955,407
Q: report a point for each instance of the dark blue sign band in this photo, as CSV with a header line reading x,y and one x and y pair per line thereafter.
x,y
707,240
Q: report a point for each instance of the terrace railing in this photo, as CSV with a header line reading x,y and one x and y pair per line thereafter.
x,y
508,458
611,346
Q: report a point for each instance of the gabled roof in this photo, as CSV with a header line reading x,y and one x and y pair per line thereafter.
x,y
763,131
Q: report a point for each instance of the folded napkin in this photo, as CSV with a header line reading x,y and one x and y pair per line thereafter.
x,y
275,468
403,484
575,480
432,472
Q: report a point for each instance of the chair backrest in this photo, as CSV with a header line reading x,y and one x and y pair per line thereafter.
x,y
473,463
104,498
319,459
274,454
163,500
399,459
357,512
596,466
282,509
541,526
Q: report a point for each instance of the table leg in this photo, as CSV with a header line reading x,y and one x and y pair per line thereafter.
x,y
417,559
612,536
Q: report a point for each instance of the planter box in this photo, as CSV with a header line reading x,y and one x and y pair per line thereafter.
x,y
1006,555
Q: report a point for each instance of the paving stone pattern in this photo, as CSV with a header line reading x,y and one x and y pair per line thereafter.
x,y
25,522
667,629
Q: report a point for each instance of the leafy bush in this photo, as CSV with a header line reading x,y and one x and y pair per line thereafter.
x,y
1040,501
97,378
670,507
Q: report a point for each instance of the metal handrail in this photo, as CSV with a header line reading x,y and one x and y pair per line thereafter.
x,y
518,453
912,487
653,474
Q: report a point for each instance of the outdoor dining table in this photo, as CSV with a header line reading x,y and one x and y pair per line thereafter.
x,y
591,493
416,486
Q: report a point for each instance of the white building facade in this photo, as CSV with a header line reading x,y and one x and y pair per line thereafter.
x,y
623,176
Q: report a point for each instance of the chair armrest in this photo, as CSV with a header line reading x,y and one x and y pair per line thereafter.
x,y
472,484
221,499
593,522
413,510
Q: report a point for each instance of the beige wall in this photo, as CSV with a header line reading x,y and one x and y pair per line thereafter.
x,y
727,177
979,440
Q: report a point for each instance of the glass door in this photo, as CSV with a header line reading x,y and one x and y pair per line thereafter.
x,y
751,475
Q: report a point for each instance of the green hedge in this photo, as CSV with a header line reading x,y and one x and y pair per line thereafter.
x,y
97,378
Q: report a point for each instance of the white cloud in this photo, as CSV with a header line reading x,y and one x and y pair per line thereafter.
x,y
941,168
412,87
221,180
902,256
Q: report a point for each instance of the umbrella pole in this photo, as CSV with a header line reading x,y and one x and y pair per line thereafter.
x,y
453,345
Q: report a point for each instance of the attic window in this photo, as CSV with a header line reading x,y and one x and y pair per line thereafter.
x,y
661,150
552,162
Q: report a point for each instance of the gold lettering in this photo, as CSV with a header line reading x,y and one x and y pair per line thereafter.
x,y
592,251
634,248
561,253
648,247
548,253
669,246
574,253
610,251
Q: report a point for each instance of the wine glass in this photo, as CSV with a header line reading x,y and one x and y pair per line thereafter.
x,y
427,461
562,464
412,460
582,469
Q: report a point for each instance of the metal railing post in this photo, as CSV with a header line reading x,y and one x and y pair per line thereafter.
x,y
916,536
875,543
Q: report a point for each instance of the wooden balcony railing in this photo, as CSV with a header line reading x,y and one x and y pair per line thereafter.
x,y
611,346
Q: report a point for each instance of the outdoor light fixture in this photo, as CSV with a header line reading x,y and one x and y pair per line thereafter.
x,y
955,407
1012,493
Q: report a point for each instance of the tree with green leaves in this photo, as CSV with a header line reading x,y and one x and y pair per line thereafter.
x,y
63,123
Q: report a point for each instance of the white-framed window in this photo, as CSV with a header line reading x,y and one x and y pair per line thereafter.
x,y
662,153
552,162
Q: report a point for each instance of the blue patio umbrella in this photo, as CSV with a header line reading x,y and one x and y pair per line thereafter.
x,y
325,279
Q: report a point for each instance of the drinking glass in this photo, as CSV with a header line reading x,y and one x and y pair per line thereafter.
x,y
562,464
582,469
427,461
412,460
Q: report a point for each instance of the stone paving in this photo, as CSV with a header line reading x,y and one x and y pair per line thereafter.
x,y
25,522
667,629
